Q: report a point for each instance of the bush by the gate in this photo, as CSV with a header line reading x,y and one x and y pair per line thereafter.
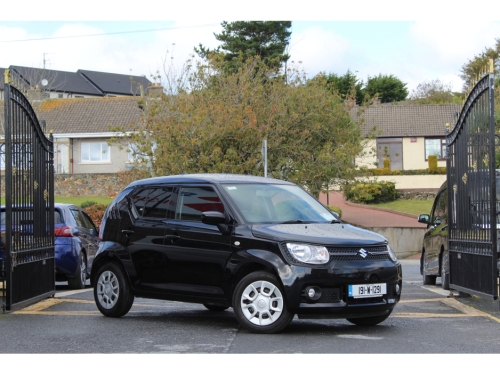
x,y
96,212
370,192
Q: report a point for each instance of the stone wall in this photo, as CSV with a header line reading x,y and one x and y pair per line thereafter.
x,y
89,184
417,195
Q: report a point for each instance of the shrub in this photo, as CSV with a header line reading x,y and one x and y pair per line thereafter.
x,y
387,163
408,172
96,212
87,204
433,163
371,192
335,209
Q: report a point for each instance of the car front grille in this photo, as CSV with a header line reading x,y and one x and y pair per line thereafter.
x,y
345,254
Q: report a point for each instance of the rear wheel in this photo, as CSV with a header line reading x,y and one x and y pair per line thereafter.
x,y
80,277
369,321
112,293
259,303
427,279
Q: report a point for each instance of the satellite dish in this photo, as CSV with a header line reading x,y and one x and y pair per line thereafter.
x,y
44,82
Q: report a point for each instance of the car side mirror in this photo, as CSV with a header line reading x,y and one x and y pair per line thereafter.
x,y
424,218
213,218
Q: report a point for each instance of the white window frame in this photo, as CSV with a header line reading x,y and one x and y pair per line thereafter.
x,y
105,152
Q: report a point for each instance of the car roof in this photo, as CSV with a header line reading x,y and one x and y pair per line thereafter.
x,y
210,178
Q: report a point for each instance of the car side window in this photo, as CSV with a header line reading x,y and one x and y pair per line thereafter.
x,y
139,200
76,215
439,214
158,203
87,222
195,200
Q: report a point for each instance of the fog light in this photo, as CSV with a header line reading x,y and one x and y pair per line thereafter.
x,y
311,292
398,289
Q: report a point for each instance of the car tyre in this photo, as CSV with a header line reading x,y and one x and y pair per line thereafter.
x,y
112,293
213,307
259,303
427,279
369,321
445,276
80,277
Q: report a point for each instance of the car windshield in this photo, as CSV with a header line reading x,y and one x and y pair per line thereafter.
x,y
275,203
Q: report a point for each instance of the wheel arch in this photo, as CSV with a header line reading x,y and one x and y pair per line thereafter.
x,y
259,260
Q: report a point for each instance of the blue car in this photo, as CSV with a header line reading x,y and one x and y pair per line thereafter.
x,y
76,242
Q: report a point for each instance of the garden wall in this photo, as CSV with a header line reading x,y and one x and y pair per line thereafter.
x,y
88,184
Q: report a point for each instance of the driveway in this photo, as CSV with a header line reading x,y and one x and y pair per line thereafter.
x,y
369,217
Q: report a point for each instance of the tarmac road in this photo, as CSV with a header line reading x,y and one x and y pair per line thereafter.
x,y
426,320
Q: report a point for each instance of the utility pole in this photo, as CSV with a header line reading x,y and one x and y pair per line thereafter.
x,y
264,155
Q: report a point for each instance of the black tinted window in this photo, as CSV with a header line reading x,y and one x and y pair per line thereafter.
x,y
195,200
139,200
158,202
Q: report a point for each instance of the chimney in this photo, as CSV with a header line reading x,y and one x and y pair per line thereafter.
x,y
155,90
34,94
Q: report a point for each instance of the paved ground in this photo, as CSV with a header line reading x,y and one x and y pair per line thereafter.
x,y
359,214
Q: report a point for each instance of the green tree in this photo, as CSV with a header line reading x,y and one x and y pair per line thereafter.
x,y
218,126
347,85
435,92
267,39
387,87
479,64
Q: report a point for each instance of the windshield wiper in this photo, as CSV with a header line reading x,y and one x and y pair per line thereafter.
x,y
292,222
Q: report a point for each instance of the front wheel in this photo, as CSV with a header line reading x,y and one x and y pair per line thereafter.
x,y
259,304
369,321
427,279
112,293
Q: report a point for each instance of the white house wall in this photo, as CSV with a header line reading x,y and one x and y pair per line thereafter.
x,y
414,154
369,160
118,158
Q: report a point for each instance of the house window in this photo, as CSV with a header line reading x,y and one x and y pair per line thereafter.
x,y
435,146
95,152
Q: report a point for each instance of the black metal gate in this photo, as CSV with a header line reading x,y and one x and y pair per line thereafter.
x,y
472,195
28,235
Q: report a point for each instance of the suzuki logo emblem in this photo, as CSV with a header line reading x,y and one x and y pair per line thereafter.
x,y
363,253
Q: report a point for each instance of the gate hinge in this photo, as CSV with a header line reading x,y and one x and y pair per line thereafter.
x,y
6,76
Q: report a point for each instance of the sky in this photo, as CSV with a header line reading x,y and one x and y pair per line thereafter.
x,y
367,38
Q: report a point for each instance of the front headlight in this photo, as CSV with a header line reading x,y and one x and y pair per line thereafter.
x,y
308,253
392,254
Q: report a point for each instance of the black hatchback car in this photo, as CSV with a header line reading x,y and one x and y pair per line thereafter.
x,y
262,246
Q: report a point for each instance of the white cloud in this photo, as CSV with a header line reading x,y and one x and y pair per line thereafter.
x,y
319,50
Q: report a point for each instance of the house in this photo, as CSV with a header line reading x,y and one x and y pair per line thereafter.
x,y
406,134
50,84
82,127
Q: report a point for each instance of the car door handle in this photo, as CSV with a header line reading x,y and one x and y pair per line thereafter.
x,y
172,237
127,232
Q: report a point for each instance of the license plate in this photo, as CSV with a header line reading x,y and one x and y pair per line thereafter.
x,y
367,290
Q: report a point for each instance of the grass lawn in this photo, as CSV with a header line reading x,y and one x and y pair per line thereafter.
x,y
414,207
77,201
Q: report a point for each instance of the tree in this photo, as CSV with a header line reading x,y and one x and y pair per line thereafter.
x,y
346,85
435,92
387,87
479,64
218,126
267,39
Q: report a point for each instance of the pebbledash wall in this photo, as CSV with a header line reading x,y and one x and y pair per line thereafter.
x,y
86,184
